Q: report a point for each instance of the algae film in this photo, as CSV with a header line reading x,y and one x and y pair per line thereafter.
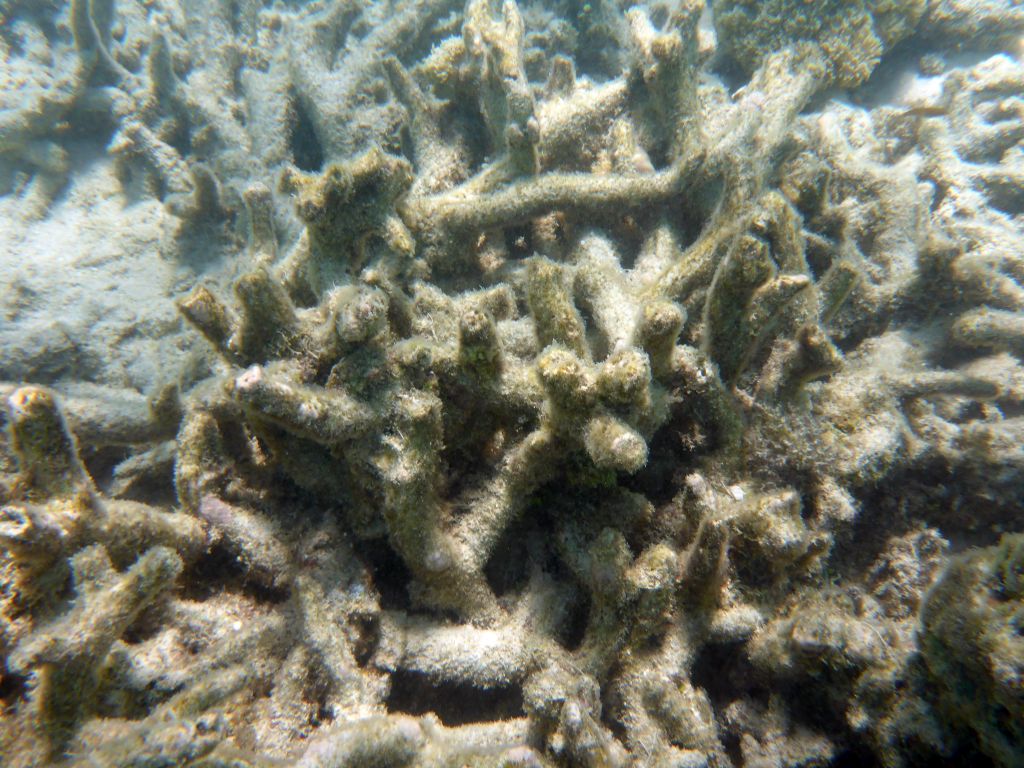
x,y
511,383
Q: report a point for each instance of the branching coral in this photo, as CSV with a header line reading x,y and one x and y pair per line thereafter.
x,y
972,646
46,75
852,36
564,413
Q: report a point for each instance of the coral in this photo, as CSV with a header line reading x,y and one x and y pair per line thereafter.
x,y
129,669
407,741
852,36
67,658
986,22
853,655
971,643
558,378
54,522
54,510
345,207
36,97
560,404
770,738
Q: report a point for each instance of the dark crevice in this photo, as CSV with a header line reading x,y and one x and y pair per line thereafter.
x,y
629,236
670,453
729,71
960,501
455,704
820,255
380,94
180,138
207,576
390,575
856,756
323,716
153,486
307,152
367,630
1004,195
814,702
405,140
317,688
1011,409
146,626
509,567
101,461
519,241
156,490
596,340
233,17
13,688
576,623
725,674
221,570
238,89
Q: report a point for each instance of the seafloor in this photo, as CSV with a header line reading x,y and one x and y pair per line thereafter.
x,y
567,383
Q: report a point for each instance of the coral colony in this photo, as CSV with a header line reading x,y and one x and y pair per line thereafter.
x,y
591,385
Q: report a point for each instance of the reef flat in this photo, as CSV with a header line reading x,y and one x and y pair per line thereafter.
x,y
511,384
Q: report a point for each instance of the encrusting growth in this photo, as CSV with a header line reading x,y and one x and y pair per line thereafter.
x,y
565,406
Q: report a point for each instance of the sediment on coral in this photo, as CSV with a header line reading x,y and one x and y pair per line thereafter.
x,y
571,385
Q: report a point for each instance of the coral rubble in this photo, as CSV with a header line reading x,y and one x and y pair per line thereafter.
x,y
558,405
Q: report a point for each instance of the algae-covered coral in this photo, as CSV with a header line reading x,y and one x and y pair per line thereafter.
x,y
550,383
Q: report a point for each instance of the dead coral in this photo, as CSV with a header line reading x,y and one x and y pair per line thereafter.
x,y
971,642
581,413
852,36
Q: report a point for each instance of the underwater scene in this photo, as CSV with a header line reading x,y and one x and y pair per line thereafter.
x,y
511,383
